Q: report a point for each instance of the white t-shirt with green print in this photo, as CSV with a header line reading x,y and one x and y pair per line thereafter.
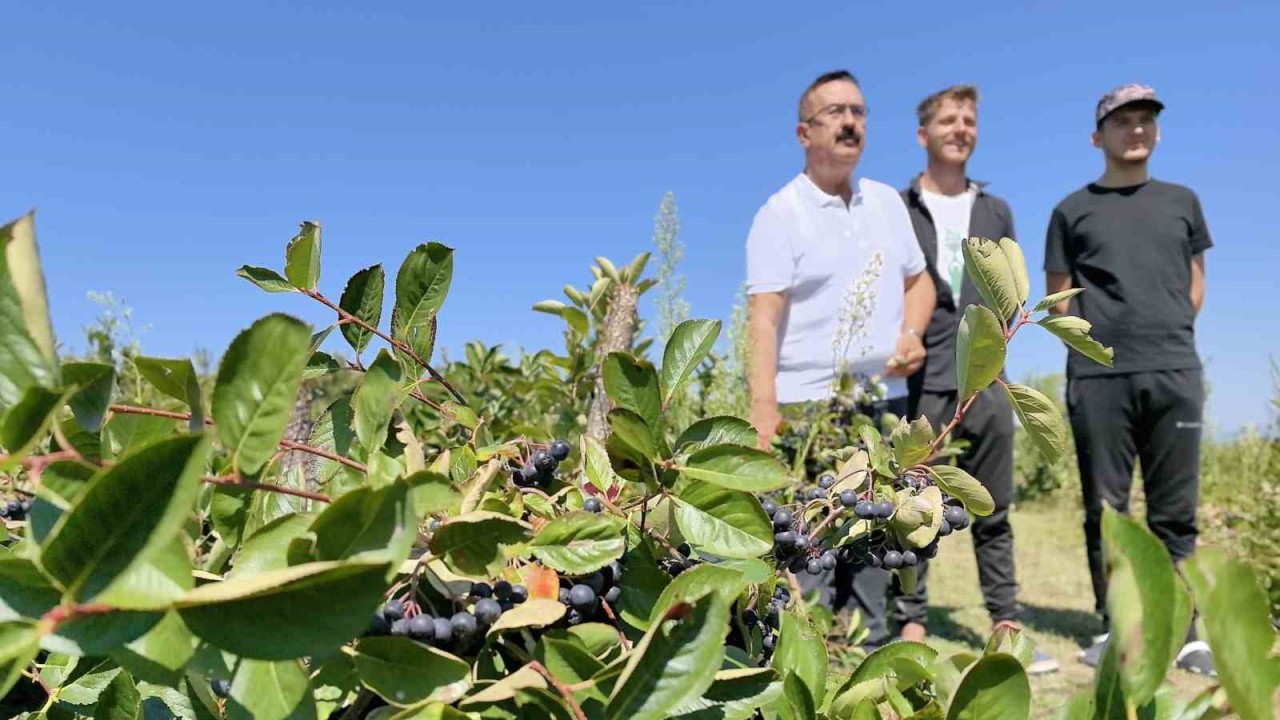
x,y
951,221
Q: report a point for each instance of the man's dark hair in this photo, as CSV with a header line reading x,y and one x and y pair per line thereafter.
x,y
823,79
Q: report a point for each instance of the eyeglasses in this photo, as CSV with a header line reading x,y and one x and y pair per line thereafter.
x,y
837,111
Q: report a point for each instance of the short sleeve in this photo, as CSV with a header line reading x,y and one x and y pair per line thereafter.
x,y
1056,259
1200,239
904,234
770,262
1008,222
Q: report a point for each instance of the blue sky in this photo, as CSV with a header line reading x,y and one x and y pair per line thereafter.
x,y
164,145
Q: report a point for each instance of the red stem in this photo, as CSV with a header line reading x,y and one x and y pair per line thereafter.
x,y
286,444
347,317
236,482
560,688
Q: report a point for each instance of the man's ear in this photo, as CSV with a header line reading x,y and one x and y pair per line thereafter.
x,y
922,138
1096,138
802,135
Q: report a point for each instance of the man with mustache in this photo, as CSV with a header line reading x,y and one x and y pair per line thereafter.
x,y
947,206
1136,245
806,253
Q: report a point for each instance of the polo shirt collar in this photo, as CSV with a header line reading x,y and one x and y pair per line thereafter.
x,y
818,196
977,187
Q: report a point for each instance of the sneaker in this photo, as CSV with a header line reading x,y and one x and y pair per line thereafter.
x,y
1042,663
1194,657
1092,656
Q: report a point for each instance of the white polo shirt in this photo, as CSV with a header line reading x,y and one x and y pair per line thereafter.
x,y
814,248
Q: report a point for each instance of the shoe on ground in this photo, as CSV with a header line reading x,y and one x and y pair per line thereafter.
x,y
1194,657
1042,663
1092,655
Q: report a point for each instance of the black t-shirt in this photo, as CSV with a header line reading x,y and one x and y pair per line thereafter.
x,y
1130,248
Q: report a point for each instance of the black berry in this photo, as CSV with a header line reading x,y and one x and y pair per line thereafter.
x,y
944,529
814,567
828,560
560,449
909,558
519,594
884,509
770,507
782,519
848,498
502,589
528,475
893,560
487,611
393,610
864,509
400,628
592,505
785,540
582,598
481,590
614,594
422,627
956,516
221,688
444,631
544,462
826,481
872,560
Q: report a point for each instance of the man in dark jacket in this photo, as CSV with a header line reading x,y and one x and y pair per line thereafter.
x,y
946,207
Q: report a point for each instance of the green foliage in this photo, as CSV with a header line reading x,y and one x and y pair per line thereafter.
x,y
448,553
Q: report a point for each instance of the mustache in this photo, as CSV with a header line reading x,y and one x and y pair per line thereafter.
x,y
849,133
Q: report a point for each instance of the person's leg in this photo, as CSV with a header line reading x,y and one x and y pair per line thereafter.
x,y
1169,450
989,429
868,590
1101,422
910,610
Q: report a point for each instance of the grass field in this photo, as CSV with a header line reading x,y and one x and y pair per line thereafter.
x,y
1055,592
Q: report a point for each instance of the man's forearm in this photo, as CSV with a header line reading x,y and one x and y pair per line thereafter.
x,y
762,366
917,303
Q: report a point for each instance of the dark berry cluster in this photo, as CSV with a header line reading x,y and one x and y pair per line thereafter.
x,y
583,594
540,470
767,625
458,632
673,566
15,510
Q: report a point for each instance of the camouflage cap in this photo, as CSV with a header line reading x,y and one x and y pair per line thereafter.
x,y
1125,95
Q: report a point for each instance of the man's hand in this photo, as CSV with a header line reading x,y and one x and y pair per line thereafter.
x,y
765,419
908,356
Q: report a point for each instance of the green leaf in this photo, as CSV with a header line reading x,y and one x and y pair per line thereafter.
x,y
509,687
19,644
178,380
568,661
160,655
302,257
642,585
95,383
802,650
362,297
579,543
692,584
375,401
268,280
631,437
1074,331
688,346
100,634
1050,300
266,690
257,616
529,614
368,524
1149,607
26,337
1041,419
421,286
1018,268
146,495
478,543
596,464
1234,611
987,265
722,522
550,307
674,663
980,350
433,493
268,547
158,576
928,530
948,671
994,688
27,423
406,673
577,320
737,468
963,487
24,590
125,433
718,430
119,700
797,699
257,386
911,441
333,433
633,385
